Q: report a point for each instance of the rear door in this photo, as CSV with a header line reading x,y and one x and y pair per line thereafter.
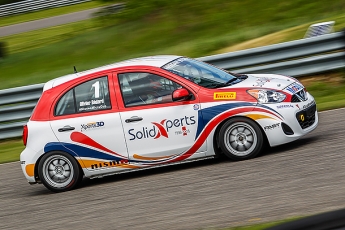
x,y
87,123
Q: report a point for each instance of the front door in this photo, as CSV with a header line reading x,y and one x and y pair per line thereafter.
x,y
157,130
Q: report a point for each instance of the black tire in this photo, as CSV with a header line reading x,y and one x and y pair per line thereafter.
x,y
240,138
59,171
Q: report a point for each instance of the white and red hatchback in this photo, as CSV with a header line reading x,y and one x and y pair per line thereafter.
x,y
155,111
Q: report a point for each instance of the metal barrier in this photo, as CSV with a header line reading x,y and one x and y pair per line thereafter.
x,y
16,105
240,61
296,58
34,5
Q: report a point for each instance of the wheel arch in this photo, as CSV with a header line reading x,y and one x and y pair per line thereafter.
x,y
38,180
216,147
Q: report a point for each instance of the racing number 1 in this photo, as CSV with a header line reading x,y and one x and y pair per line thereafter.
x,y
96,86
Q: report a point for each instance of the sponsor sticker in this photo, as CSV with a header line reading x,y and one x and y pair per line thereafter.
x,y
271,127
262,80
294,88
91,125
179,126
308,105
184,131
196,107
284,106
224,96
172,64
109,164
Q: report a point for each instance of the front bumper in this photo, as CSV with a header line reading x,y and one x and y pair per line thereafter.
x,y
286,122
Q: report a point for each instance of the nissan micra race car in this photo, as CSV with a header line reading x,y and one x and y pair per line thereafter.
x,y
154,111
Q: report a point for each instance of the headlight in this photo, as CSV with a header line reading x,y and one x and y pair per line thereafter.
x,y
267,96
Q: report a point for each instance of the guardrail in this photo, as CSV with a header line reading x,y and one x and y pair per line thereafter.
x,y
16,105
34,5
296,58
283,58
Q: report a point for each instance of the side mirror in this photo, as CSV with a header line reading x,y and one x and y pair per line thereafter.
x,y
180,95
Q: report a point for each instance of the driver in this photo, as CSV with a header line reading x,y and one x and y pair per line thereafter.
x,y
154,91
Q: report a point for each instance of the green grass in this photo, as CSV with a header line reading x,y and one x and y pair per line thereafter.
x,y
260,226
10,150
15,19
40,38
328,93
39,56
289,34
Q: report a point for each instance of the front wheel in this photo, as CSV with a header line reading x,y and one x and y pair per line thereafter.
x,y
240,138
59,171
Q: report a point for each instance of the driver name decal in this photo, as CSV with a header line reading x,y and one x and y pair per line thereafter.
x,y
224,96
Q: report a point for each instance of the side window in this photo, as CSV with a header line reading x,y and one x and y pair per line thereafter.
x,y
145,88
66,104
89,96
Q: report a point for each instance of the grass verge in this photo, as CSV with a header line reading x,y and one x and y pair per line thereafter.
x,y
327,89
43,37
38,56
260,226
15,19
289,34
10,150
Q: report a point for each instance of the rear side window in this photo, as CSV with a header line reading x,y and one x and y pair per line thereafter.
x,y
89,96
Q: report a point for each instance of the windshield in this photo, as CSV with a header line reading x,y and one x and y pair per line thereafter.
x,y
201,73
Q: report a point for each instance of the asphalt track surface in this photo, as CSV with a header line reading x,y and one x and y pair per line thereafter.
x,y
301,178
47,22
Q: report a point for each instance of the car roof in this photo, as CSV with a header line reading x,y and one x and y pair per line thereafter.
x,y
155,61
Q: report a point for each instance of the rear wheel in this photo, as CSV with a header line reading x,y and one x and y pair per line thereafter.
x,y
240,138
59,171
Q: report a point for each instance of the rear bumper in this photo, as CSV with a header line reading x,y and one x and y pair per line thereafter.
x,y
28,165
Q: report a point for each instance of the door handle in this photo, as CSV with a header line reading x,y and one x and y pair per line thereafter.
x,y
133,119
66,128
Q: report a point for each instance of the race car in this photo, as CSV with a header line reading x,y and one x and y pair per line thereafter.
x,y
155,111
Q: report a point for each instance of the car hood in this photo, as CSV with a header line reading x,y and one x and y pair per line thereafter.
x,y
271,81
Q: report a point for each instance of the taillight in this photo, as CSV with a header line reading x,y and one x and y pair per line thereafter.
x,y
25,134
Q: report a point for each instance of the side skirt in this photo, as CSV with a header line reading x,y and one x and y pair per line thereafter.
x,y
150,167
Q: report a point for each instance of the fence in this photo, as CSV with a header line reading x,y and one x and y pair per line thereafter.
x,y
34,5
296,58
